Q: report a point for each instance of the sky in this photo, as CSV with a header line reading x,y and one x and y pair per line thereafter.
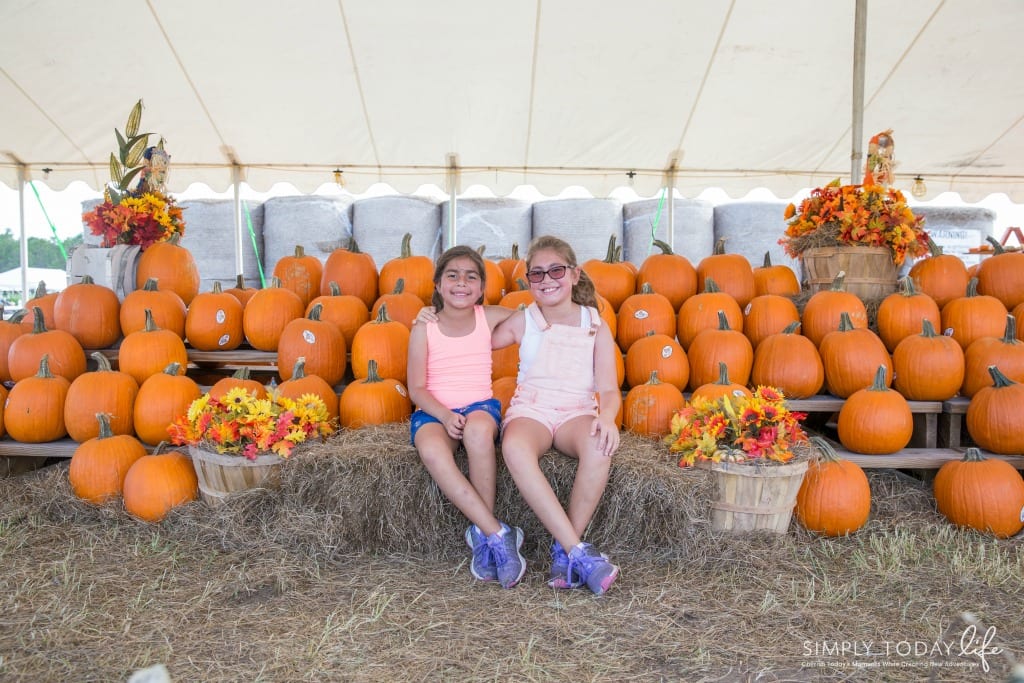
x,y
65,208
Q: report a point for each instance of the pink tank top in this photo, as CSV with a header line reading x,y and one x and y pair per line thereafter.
x,y
459,368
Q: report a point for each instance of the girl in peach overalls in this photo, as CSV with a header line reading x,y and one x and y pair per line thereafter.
x,y
567,398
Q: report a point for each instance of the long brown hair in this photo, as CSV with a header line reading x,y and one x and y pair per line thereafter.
x,y
583,292
460,251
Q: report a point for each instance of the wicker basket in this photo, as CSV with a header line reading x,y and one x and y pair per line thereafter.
x,y
870,271
221,475
755,497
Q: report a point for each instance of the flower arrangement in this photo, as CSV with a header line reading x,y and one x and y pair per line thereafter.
x,y
142,215
855,215
241,423
737,429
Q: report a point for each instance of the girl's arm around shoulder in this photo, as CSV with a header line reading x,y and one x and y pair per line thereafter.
x,y
509,331
497,315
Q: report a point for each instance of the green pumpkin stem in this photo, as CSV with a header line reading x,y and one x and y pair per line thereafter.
x,y
999,380
102,362
372,375
879,383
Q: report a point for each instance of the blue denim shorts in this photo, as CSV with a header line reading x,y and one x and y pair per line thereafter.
x,y
491,406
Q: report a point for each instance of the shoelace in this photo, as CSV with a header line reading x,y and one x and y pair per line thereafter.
x,y
585,563
499,549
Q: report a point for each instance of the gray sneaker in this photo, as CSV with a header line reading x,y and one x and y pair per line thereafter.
x,y
482,565
592,567
560,569
510,563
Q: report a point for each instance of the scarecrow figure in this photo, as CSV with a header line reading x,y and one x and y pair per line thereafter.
x,y
878,169
154,169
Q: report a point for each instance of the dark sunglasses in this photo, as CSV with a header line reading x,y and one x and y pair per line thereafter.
x,y
556,273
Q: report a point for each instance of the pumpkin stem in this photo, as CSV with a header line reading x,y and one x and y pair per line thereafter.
x,y
316,310
242,373
973,454
87,280
102,362
664,246
1010,334
845,324
382,314
654,378
372,376
150,323
39,323
972,287
18,316
723,322
996,244
723,373
300,251
240,281
839,282
927,329
406,245
217,289
824,449
907,286
767,260
999,380
610,256
399,286
275,281
710,285
299,371
515,251
353,246
151,284
879,383
646,288
934,248
105,431
719,247
40,290
521,283
44,367
335,289
173,368
792,327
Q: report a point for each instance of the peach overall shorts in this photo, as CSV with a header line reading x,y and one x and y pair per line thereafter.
x,y
559,383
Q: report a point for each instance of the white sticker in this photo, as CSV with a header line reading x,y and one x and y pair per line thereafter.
x,y
746,311
400,389
948,332
221,316
738,392
666,351
1022,514
224,339
641,314
309,337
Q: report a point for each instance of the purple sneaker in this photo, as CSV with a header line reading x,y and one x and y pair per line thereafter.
x,y
592,567
560,569
482,565
509,562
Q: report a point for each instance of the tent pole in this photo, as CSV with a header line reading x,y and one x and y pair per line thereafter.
x,y
236,180
859,54
671,192
23,254
452,181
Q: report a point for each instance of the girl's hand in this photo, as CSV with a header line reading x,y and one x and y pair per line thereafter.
x,y
427,314
607,435
454,424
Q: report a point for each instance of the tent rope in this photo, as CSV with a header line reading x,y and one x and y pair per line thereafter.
x,y
53,228
255,249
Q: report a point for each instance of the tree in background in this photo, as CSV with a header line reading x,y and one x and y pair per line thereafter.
x,y
41,253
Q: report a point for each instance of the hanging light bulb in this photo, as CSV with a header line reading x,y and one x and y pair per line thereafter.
x,y
919,189
46,173
339,177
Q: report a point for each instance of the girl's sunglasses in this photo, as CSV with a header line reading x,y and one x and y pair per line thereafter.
x,y
556,273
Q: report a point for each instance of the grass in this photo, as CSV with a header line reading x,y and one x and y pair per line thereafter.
x,y
274,587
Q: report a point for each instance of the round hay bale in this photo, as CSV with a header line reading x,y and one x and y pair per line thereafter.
x,y
586,224
319,224
694,224
753,228
495,222
379,223
210,236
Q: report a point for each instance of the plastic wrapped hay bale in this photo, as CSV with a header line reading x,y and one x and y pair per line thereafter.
x,y
379,223
210,236
753,228
495,222
319,224
694,227
586,224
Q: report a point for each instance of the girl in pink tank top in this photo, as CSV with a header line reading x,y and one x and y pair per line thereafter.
x,y
567,398
449,376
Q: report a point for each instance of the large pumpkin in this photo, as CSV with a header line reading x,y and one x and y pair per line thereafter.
x,y
300,383
512,268
723,386
659,353
612,279
10,330
373,400
789,361
768,314
901,313
772,279
720,345
240,291
669,274
928,366
103,390
644,313
822,311
943,277
1006,352
319,342
172,265
162,398
300,273
213,321
835,497
385,341
985,494
403,306
90,313
700,312
648,408
416,270
45,301
240,379
995,415
346,311
149,351
157,483
268,312
876,420
65,355
167,308
973,316
851,356
495,285
1002,275
34,410
100,463
354,272
731,272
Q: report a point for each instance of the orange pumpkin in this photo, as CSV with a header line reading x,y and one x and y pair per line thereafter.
x,y
669,274
172,265
213,321
503,388
103,390
241,379
994,415
648,408
319,342
851,357
984,494
353,271
300,273
240,291
823,310
973,316
149,351
772,279
943,277
373,400
644,313
790,362
876,420
34,410
505,362
1002,275
90,313
494,280
928,366
100,463
416,271
157,483
346,311
45,301
768,314
1006,352
711,347
509,266
834,498
723,386
162,398
520,296
385,341
267,313
300,383
167,308
612,280
10,330
700,312
402,306
901,313
659,353
65,354
731,272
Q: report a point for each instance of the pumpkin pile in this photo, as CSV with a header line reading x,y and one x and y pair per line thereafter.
x,y
719,326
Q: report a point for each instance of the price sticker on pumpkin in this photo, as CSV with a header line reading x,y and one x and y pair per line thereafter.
x,y
308,337
666,351
641,314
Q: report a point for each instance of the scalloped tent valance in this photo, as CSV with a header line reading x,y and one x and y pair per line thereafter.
x,y
730,93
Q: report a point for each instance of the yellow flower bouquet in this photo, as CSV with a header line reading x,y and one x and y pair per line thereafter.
x,y
242,424
755,428
855,215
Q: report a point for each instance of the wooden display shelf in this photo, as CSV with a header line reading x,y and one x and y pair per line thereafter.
x,y
926,416
952,433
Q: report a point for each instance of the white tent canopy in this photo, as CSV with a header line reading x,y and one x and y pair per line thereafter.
x,y
732,93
